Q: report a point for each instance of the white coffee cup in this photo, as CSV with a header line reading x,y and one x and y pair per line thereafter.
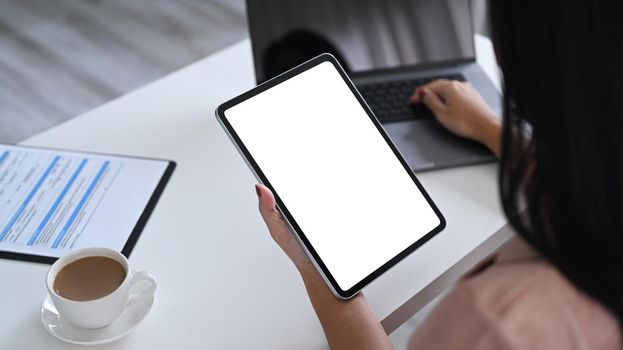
x,y
100,312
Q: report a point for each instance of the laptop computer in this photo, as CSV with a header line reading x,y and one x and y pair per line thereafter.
x,y
388,48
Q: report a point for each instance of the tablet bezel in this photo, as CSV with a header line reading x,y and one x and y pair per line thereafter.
x,y
259,174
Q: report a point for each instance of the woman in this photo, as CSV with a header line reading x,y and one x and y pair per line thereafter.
x,y
559,285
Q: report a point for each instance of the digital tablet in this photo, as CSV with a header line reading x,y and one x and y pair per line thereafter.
x,y
339,181
54,201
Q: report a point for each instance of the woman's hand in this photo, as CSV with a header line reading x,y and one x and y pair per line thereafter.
x,y
348,324
460,108
279,230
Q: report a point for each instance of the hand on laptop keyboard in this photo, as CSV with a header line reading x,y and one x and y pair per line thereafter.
x,y
390,101
461,109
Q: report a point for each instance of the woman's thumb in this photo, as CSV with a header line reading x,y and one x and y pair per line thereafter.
x,y
267,204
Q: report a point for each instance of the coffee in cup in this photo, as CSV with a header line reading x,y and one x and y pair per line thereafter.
x,y
91,287
89,278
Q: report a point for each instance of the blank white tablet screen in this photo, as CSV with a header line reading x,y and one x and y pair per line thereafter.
x,y
335,173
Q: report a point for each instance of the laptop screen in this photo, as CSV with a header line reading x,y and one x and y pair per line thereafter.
x,y
364,35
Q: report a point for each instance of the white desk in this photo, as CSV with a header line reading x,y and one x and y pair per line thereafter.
x,y
223,283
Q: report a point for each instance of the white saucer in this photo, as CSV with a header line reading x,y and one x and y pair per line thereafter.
x,y
129,319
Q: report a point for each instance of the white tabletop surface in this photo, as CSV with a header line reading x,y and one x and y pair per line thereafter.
x,y
223,283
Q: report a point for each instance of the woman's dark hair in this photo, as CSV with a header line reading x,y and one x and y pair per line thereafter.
x,y
562,145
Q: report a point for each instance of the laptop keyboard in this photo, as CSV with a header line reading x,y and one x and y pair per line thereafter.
x,y
390,101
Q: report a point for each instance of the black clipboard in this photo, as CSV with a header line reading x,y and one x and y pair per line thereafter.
x,y
140,223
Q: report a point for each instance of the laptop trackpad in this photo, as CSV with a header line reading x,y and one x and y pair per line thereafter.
x,y
426,144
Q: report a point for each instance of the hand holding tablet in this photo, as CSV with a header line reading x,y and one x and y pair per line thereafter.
x,y
340,183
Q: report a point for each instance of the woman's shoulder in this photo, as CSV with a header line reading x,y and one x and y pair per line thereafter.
x,y
522,302
534,305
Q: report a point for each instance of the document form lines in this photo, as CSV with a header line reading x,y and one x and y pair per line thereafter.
x,y
112,180
53,201
27,200
80,205
58,201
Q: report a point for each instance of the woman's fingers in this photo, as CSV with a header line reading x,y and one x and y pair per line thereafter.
x,y
279,229
439,87
432,101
